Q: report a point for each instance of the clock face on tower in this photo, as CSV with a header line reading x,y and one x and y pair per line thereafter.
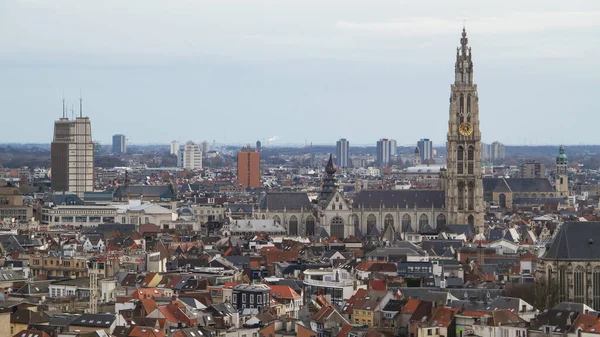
x,y
465,129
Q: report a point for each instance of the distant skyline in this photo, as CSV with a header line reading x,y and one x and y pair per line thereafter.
x,y
308,71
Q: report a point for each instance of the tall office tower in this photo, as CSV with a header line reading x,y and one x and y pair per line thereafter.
x,y
119,144
205,147
532,169
463,176
190,156
393,147
72,154
485,151
425,149
248,167
258,146
341,153
174,149
497,151
383,152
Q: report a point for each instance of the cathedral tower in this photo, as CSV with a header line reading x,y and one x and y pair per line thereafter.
x,y
463,178
562,178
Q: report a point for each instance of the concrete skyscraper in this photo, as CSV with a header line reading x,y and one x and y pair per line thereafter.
x,y
425,149
383,152
174,148
393,147
72,154
248,167
190,156
119,144
463,178
497,151
205,147
341,153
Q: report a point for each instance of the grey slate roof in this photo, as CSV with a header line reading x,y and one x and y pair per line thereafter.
x,y
162,191
530,185
440,246
288,200
400,199
94,320
575,241
495,185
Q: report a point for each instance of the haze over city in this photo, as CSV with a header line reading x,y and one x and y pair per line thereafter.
x,y
307,71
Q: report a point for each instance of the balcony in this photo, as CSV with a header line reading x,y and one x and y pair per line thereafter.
x,y
330,284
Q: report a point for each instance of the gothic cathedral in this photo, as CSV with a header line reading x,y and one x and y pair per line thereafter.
x,y
463,178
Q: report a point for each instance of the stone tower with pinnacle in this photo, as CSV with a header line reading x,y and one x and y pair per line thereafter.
x,y
463,177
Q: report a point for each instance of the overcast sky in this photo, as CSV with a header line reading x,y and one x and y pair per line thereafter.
x,y
304,71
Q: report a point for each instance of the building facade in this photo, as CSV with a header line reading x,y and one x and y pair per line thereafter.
x,y
190,156
393,147
12,205
383,152
248,168
174,148
72,155
496,151
341,153
532,169
425,149
119,144
463,178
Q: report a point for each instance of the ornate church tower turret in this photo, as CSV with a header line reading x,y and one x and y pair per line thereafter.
x,y
562,177
463,178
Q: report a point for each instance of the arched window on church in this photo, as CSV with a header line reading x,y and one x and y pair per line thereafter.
x,y
471,196
460,157
470,158
310,225
423,221
596,287
562,284
461,196
277,219
440,221
293,226
406,222
578,285
462,107
388,221
337,227
355,221
469,108
371,221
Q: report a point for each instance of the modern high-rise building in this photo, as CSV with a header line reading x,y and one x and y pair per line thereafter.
x,y
248,167
258,146
496,151
532,169
72,154
119,144
174,149
383,152
205,147
463,177
393,147
485,151
190,156
425,149
341,153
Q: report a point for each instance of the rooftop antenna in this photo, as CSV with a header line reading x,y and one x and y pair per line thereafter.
x,y
64,112
80,104
72,111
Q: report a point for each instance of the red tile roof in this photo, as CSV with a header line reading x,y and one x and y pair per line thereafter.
x,y
410,306
283,292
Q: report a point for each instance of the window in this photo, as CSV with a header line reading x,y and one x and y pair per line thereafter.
x,y
406,222
293,226
429,332
243,298
388,221
251,298
234,298
423,221
258,299
578,284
